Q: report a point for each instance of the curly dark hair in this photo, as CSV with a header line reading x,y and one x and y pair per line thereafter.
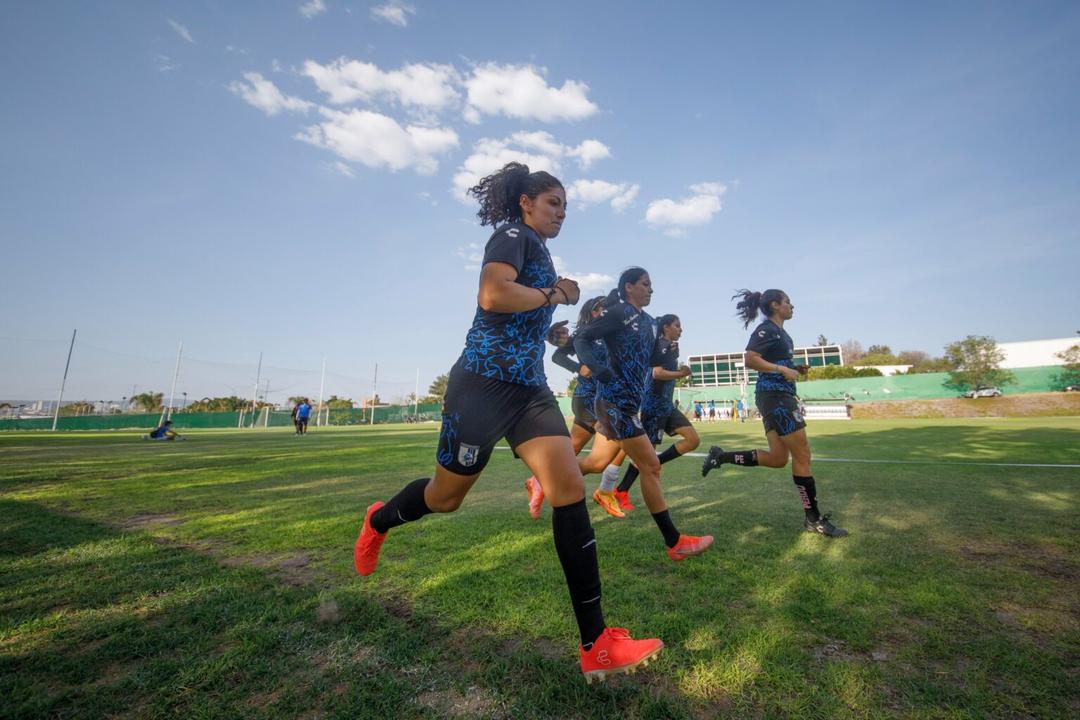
x,y
500,193
750,303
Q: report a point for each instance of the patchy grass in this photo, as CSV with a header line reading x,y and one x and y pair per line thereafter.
x,y
214,578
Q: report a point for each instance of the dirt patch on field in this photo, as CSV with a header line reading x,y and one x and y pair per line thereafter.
x,y
1027,405
143,521
292,570
474,702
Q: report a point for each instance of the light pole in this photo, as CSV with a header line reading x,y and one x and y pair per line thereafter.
x,y
184,406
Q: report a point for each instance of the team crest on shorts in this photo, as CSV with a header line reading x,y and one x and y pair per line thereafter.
x,y
468,454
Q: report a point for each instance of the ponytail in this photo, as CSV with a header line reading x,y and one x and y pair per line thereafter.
x,y
500,193
751,303
629,276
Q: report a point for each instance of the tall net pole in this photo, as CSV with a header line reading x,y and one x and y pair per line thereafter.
x,y
255,392
374,391
416,397
56,412
176,374
322,384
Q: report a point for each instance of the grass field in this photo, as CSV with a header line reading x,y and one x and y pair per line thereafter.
x,y
213,578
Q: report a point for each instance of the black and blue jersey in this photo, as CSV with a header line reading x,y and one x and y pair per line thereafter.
x,y
658,401
586,386
774,344
510,346
629,335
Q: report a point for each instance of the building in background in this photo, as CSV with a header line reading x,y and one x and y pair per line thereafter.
x,y
723,369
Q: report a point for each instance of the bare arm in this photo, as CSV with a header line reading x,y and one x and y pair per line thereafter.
x,y
499,293
660,373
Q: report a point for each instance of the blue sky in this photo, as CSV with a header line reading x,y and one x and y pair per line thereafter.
x,y
284,177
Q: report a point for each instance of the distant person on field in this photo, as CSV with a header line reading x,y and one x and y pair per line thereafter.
x,y
295,416
164,431
712,411
697,410
770,352
740,410
303,414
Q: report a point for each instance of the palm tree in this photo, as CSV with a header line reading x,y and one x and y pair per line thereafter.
x,y
148,401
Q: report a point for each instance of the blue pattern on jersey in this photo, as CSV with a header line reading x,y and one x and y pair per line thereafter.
x,y
784,421
586,386
775,382
659,400
773,344
510,346
629,348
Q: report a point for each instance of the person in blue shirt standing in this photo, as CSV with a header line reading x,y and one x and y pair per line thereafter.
x,y
629,334
770,352
303,414
498,389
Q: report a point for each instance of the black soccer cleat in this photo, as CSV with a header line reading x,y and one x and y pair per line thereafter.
x,y
824,527
712,461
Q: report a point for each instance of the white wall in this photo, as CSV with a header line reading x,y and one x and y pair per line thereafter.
x,y
1035,353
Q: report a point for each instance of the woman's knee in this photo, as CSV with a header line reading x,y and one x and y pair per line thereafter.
x,y
444,504
690,440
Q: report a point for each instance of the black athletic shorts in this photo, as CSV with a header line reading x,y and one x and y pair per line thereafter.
x,y
780,412
478,412
584,416
614,423
657,425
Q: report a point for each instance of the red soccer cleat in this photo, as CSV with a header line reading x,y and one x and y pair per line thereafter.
x,y
368,543
536,497
689,545
616,652
623,496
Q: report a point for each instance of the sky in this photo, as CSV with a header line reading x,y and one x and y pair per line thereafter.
x,y
286,178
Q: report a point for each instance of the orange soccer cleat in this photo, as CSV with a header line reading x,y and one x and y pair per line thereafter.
x,y
616,652
623,496
607,501
368,543
536,497
689,545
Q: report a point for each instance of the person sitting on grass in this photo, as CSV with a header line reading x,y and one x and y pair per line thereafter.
x,y
164,431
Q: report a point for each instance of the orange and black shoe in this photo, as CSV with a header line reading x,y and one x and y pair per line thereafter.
x,y
368,543
607,501
536,497
688,546
615,652
623,496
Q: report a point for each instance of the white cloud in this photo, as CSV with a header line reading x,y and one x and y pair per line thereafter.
x,y
164,63
275,65
587,282
673,217
264,95
343,168
473,255
584,193
424,86
181,30
312,8
520,91
394,12
379,141
539,150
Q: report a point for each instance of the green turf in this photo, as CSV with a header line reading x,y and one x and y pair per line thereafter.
x,y
213,578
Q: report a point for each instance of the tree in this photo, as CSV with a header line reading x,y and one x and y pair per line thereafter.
x,y
975,361
572,386
872,359
879,350
297,399
437,389
232,403
336,403
822,340
82,407
852,351
840,372
1070,371
148,401
912,357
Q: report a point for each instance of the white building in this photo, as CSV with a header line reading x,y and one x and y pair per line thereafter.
x,y
1035,353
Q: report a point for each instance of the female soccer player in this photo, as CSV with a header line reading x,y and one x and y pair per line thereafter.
x,y
498,389
770,353
630,335
658,413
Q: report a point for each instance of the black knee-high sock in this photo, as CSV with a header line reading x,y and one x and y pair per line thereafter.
x,y
575,544
808,494
632,472
667,528
406,506
746,458
628,479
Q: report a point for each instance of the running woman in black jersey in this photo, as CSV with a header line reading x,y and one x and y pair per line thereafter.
x,y
629,334
584,424
770,353
658,413
497,389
